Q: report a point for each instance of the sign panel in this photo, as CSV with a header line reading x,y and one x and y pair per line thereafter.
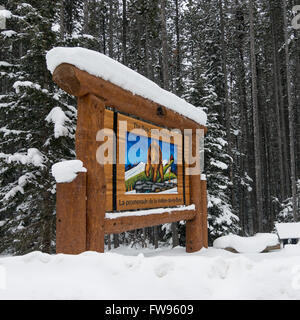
x,y
153,169
149,168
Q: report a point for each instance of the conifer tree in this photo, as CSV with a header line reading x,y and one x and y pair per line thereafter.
x,y
204,89
36,130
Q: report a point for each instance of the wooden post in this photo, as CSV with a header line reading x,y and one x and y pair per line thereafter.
x,y
194,227
204,212
71,216
90,121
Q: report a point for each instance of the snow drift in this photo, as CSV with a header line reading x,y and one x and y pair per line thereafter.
x,y
154,274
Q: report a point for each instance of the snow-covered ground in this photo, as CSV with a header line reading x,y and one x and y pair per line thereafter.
x,y
127,273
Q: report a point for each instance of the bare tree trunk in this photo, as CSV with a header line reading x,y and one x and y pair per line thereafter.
x,y
164,43
147,58
166,83
284,135
246,147
144,238
124,33
47,223
110,31
104,34
139,44
291,115
62,19
175,234
277,107
178,51
155,236
152,54
153,231
109,242
116,241
86,17
227,104
296,94
258,179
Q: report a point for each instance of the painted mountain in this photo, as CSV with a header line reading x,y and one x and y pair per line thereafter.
x,y
150,166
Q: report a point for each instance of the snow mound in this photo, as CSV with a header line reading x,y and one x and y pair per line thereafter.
x,y
66,171
162,274
288,230
255,244
110,70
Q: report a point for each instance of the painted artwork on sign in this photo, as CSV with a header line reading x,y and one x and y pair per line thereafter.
x,y
150,166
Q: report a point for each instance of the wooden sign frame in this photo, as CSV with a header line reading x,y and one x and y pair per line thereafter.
x,y
82,204
117,199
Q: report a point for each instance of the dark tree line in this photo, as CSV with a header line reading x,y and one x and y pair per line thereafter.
x,y
240,60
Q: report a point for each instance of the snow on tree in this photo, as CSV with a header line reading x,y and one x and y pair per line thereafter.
x,y
285,208
36,130
222,218
204,88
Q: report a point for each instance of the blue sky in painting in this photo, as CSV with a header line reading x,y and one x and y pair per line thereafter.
x,y
137,148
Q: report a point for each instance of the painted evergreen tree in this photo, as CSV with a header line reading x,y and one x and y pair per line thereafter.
x,y
36,130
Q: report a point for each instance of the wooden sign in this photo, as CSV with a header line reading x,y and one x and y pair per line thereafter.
x,y
149,168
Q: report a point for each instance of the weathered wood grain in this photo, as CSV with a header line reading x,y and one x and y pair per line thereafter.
x,y
90,121
203,198
195,228
71,216
122,224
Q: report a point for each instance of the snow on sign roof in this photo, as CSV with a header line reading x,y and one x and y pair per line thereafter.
x,y
288,230
101,66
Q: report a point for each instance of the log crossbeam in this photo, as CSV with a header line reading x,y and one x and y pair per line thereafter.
x,y
127,223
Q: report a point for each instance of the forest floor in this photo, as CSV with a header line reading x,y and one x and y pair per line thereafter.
x,y
128,273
